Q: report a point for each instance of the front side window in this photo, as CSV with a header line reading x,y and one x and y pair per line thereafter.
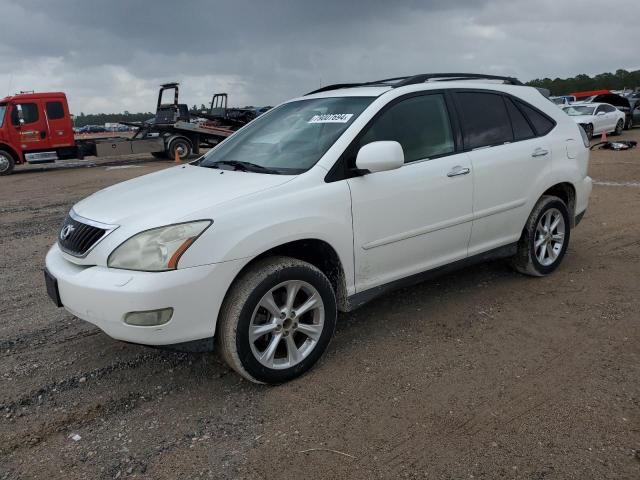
x,y
420,124
29,113
3,110
484,120
289,139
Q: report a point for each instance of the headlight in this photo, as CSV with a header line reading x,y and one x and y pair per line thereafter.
x,y
158,249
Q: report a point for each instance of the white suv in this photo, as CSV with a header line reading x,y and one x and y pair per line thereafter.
x,y
318,206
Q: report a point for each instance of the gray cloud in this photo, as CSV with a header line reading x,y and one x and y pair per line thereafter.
x,y
111,56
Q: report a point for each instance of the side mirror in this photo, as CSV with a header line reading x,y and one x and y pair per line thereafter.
x,y
599,113
18,108
380,157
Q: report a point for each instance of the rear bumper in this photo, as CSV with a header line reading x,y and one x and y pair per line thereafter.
x,y
583,191
102,296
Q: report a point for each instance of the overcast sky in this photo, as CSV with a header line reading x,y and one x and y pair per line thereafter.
x,y
111,55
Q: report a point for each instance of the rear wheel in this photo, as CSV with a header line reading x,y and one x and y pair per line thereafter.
x,y
277,320
619,127
544,239
629,124
7,162
181,146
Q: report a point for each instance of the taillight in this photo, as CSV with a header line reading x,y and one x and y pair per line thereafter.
x,y
585,139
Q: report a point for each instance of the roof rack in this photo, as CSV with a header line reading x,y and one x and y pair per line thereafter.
x,y
416,79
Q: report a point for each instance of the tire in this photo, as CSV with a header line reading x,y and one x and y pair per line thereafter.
x,y
619,127
242,310
182,145
7,162
588,129
537,260
629,124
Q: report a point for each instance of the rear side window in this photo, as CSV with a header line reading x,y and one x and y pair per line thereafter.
x,y
521,128
29,113
541,123
55,110
420,124
484,119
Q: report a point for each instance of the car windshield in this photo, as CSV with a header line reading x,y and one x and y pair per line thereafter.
x,y
3,109
579,110
289,139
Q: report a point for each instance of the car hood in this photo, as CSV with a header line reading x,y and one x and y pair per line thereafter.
x,y
581,118
172,194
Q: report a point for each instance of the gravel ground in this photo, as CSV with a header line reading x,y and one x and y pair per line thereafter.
x,y
480,374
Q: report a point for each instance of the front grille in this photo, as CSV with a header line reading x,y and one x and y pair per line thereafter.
x,y
76,238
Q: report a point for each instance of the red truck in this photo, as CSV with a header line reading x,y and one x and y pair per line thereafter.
x,y
37,128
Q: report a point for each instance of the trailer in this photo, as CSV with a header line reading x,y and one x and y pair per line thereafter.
x,y
37,128
220,114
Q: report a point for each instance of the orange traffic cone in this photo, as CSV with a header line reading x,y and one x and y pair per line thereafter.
x,y
177,158
603,138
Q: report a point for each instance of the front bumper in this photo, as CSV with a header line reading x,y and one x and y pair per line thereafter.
x,y
103,296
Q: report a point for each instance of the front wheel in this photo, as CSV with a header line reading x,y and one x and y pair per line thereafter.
x,y
277,320
7,162
544,239
619,127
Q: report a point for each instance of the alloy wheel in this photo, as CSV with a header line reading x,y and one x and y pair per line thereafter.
x,y
5,163
286,325
550,237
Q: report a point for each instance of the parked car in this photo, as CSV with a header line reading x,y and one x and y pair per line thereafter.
x,y
92,129
318,206
621,103
597,118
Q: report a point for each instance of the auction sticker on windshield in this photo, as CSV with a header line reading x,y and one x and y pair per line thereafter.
x,y
331,118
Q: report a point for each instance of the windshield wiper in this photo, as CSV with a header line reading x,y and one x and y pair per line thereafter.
x,y
243,166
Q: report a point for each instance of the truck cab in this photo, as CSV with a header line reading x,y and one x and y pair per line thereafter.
x,y
34,128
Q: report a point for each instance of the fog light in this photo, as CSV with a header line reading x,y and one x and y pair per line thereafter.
x,y
150,318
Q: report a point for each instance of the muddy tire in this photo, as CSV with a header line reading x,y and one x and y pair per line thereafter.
x,y
7,162
276,320
544,239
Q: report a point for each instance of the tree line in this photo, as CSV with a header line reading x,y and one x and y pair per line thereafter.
x,y
609,81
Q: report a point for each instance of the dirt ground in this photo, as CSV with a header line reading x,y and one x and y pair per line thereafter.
x,y
480,374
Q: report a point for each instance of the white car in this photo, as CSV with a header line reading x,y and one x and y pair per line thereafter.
x,y
597,118
319,205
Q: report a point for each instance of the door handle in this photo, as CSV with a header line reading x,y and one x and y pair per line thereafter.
x,y
540,152
458,170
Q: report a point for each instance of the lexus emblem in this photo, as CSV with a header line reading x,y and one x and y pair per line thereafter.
x,y
66,231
